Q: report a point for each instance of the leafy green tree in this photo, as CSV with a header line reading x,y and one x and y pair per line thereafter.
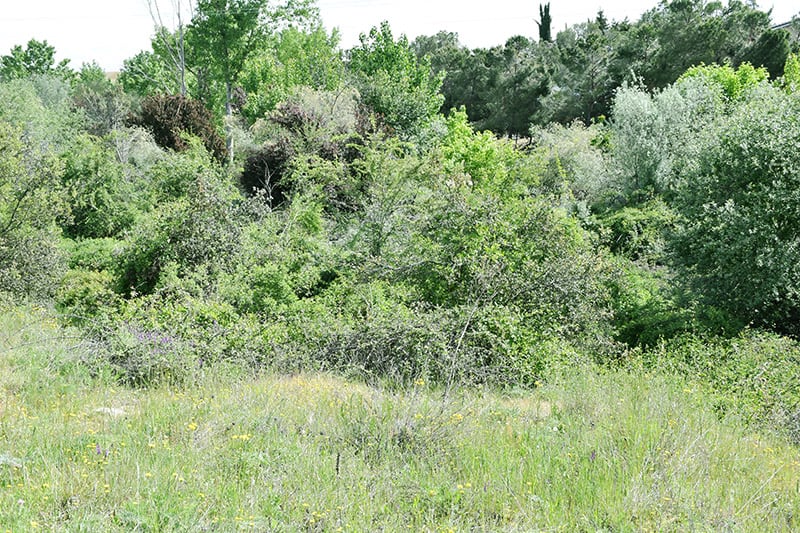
x,y
791,74
293,58
103,102
733,81
224,34
150,72
37,57
582,84
102,201
690,32
393,82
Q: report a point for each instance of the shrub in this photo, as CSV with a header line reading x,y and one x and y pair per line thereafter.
x,y
266,170
200,229
83,295
753,375
30,203
103,202
168,118
94,254
639,233
746,197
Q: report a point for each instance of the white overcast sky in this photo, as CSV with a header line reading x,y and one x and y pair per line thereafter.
x,y
109,31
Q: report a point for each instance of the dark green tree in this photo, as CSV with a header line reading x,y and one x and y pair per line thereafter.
x,y
545,22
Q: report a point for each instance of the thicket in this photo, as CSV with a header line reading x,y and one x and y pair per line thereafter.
x,y
360,230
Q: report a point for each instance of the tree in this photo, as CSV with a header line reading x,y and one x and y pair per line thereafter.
x,y
393,82
37,58
544,23
224,34
173,44
292,58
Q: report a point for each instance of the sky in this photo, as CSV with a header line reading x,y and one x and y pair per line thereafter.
x,y
109,31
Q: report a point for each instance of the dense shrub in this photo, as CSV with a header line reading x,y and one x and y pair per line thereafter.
x,y
169,118
738,244
266,170
393,83
199,229
31,201
103,202
639,233
753,376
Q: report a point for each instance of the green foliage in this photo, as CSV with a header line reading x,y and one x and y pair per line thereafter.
x,y
751,376
745,196
733,81
102,200
639,233
292,59
657,140
791,74
477,156
310,142
649,308
102,101
37,57
544,23
170,118
575,168
393,83
149,72
30,203
198,229
93,254
283,257
41,108
84,295
691,32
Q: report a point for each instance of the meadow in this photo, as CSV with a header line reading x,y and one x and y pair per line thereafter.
x,y
594,450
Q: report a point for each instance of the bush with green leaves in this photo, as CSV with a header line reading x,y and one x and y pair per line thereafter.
x,y
31,202
734,82
103,202
465,229
657,139
103,103
310,143
575,167
294,58
284,256
175,175
400,88
752,376
199,228
738,244
639,233
42,108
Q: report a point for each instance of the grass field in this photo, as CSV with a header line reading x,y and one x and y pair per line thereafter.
x,y
593,450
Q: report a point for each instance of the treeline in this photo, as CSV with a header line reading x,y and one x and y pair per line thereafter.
x,y
575,75
251,197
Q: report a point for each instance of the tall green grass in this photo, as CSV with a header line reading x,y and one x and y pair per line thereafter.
x,y
592,450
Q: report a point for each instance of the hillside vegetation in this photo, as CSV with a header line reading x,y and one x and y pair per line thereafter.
x,y
260,283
